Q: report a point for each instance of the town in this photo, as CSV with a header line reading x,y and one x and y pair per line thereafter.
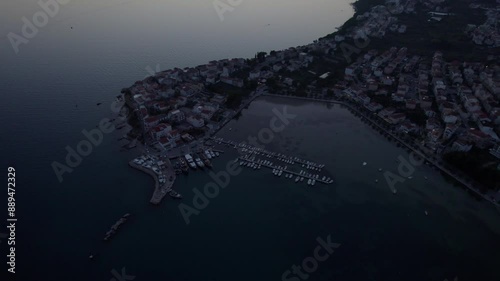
x,y
446,109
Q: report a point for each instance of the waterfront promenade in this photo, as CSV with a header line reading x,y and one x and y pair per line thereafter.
x,y
402,142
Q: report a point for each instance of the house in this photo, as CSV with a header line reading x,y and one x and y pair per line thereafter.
x,y
386,112
211,78
233,81
187,90
195,121
386,80
425,102
174,136
396,118
411,104
461,145
161,106
373,106
277,67
450,117
288,81
496,151
150,122
350,70
220,99
481,139
160,130
206,114
372,85
363,98
432,123
408,127
449,130
398,97
255,74
176,116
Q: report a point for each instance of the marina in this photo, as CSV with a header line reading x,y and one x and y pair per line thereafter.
x,y
256,158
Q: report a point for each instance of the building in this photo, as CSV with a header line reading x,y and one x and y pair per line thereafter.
x,y
150,122
496,151
160,131
461,145
176,116
396,118
195,121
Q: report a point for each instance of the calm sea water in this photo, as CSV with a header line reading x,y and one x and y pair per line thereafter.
x,y
259,226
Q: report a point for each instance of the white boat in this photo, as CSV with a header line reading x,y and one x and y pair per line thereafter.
x,y
313,182
217,154
208,154
199,162
190,161
212,153
297,179
280,172
309,181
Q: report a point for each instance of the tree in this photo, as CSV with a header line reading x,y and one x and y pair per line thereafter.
x,y
261,56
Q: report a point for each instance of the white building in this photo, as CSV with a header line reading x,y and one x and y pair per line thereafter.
x,y
195,121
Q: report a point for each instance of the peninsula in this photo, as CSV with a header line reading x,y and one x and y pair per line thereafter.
x,y
426,74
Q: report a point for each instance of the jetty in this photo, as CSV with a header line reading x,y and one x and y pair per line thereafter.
x,y
114,228
162,171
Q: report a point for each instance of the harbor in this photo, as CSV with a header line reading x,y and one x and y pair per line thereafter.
x,y
162,171
310,171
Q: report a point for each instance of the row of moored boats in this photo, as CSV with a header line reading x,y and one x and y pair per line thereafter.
x,y
199,160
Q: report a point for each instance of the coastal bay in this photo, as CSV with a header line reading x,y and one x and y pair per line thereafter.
x,y
260,225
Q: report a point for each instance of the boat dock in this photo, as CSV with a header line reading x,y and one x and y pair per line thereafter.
x,y
161,170
250,157
268,164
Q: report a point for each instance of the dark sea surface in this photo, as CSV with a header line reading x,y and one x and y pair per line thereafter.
x,y
259,226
